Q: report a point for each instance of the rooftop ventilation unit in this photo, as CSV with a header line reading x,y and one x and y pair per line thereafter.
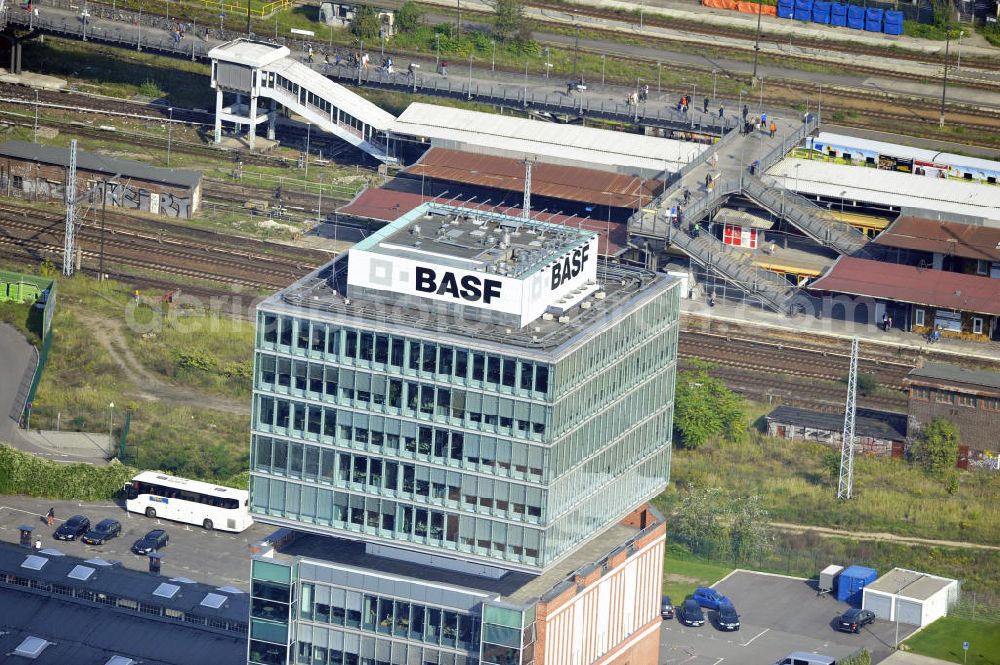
x,y
31,647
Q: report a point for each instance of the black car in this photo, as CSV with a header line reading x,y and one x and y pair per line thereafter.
x,y
853,620
154,540
72,528
103,531
690,614
666,608
726,617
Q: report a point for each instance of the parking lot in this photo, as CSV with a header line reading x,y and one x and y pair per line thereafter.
x,y
212,557
778,615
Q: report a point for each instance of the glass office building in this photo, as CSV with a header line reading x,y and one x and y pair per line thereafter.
x,y
475,393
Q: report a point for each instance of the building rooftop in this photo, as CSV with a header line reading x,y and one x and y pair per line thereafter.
x,y
522,138
910,584
970,241
98,163
920,286
248,52
950,374
83,631
868,422
396,198
514,587
377,285
888,188
570,183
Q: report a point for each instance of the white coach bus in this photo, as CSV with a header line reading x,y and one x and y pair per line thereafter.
x,y
156,494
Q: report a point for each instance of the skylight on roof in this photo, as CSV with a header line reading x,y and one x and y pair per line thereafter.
x,y
213,600
99,562
32,562
119,660
182,580
229,589
31,647
166,590
81,573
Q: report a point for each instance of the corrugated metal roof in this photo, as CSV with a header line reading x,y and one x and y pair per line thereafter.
x,y
888,188
248,52
868,422
951,238
98,163
388,205
521,137
569,183
943,372
905,151
336,94
920,286
742,218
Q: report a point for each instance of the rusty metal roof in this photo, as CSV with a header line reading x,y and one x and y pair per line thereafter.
x,y
951,238
388,204
920,286
569,183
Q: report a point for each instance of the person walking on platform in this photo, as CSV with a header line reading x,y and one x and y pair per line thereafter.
x,y
687,195
722,110
885,321
763,120
773,128
746,112
444,68
705,107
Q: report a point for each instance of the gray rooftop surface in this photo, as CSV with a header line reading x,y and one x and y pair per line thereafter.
x,y
953,373
514,587
320,294
476,240
96,162
909,583
868,422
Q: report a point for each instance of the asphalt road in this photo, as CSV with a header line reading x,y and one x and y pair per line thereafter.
x,y
212,557
15,352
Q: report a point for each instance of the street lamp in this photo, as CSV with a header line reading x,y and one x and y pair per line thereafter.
x,y
494,66
602,69
658,65
437,47
308,132
958,66
170,128
797,177
843,194
111,428
715,82
761,108
756,43
470,76
944,84
319,204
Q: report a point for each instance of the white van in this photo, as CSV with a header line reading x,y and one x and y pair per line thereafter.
x,y
804,658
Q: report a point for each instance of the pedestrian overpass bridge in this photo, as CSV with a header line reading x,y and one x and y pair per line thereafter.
x,y
250,72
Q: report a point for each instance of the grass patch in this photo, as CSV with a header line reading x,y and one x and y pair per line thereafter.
x,y
943,639
24,318
683,572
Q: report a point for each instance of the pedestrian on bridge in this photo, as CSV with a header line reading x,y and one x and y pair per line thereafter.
x,y
687,195
746,112
773,128
444,68
763,119
705,108
722,110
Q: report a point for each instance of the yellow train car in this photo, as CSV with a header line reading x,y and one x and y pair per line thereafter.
x,y
870,225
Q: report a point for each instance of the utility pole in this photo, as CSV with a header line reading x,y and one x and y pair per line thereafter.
x,y
845,486
69,247
35,139
944,84
526,206
104,216
576,51
170,128
756,44
249,31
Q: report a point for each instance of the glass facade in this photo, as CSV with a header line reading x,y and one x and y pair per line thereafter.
x,y
485,454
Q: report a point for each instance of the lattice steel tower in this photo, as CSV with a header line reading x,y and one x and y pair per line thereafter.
x,y
70,242
846,485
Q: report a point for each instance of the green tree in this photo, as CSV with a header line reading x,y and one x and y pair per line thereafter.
x,y
750,537
699,522
366,24
866,383
509,19
936,448
704,408
408,16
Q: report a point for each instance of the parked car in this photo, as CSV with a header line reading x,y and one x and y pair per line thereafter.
x,y
154,540
853,620
72,528
102,532
690,614
709,598
726,617
804,658
666,608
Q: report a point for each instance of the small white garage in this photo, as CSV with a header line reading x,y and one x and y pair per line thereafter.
x,y
910,597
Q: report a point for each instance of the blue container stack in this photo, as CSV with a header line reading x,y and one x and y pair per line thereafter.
x,y
786,8
838,14
856,17
851,582
821,12
873,19
892,24
803,10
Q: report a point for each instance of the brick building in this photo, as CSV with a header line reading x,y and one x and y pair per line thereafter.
x,y
38,173
968,398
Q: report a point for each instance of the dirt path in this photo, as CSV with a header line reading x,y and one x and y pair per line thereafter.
x,y
862,535
148,385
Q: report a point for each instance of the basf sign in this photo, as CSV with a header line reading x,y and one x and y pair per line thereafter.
x,y
526,298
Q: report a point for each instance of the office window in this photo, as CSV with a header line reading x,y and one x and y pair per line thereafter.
x,y
270,327
541,379
918,317
509,372
396,356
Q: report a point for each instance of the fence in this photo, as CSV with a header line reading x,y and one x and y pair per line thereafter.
x,y
977,606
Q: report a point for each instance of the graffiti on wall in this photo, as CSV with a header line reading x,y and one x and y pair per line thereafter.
x,y
120,195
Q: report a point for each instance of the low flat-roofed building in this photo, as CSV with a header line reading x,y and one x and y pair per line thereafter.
x,y
910,597
917,299
968,398
879,433
71,610
969,248
39,172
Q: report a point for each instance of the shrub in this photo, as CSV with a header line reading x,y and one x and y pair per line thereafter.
x,y
35,476
936,448
408,16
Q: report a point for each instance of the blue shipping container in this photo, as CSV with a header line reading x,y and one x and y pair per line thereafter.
x,y
821,11
838,14
893,29
785,11
851,582
856,17
893,17
873,19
